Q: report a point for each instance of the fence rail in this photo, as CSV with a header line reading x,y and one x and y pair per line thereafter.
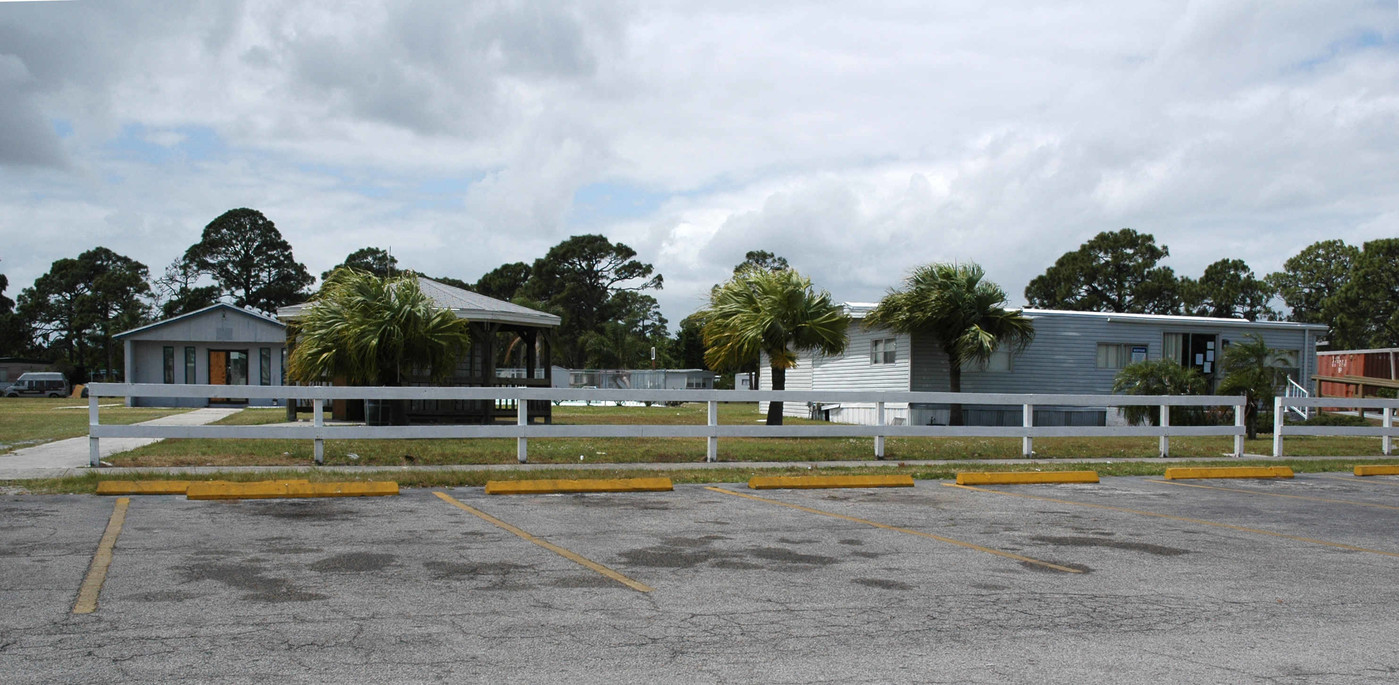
x,y
1385,431
522,431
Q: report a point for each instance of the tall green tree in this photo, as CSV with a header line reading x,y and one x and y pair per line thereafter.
x,y
77,307
504,281
14,334
1310,278
955,305
688,345
1159,377
370,330
178,291
777,313
1112,272
1228,289
370,260
1254,370
1367,306
250,261
583,276
762,259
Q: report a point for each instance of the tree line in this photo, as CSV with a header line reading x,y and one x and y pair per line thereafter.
x,y
1353,290
601,290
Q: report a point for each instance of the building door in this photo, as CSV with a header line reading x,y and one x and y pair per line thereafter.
x,y
1199,351
228,367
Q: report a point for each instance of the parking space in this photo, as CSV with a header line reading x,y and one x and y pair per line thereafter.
x,y
1130,579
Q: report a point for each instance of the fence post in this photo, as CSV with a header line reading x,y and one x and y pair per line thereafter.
x,y
712,454
1027,443
94,452
1387,442
318,422
1165,445
522,419
879,439
1277,426
1240,410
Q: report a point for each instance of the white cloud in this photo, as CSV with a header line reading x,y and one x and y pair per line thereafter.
x,y
857,141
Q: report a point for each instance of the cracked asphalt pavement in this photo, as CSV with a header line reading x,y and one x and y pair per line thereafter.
x,y
1234,585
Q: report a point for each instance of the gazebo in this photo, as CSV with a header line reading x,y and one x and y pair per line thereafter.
x,y
510,346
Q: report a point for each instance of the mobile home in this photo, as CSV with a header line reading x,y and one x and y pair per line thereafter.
x,y
1072,353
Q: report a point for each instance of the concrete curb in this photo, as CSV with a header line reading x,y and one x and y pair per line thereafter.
x,y
555,487
287,488
813,482
1376,470
142,487
1229,472
1025,477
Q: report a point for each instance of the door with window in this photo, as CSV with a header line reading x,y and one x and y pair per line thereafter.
x,y
1199,351
228,367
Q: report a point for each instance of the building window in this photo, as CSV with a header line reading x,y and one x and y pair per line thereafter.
x,y
999,362
189,365
264,367
883,351
169,359
1118,355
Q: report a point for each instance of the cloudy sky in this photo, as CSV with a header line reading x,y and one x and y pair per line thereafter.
x,y
856,139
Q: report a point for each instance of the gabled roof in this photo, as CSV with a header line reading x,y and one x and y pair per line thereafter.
x,y
200,312
465,304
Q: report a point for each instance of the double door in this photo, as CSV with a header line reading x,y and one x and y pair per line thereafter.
x,y
228,367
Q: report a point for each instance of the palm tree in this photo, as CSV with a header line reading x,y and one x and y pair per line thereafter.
x,y
369,330
1252,370
1159,377
777,313
965,313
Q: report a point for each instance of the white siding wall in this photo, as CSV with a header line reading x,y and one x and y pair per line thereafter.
x,y
849,371
1062,359
798,378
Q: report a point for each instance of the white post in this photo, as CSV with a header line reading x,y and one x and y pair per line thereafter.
x,y
317,422
522,419
879,439
1240,410
94,454
1277,426
713,448
1027,443
1386,442
1165,445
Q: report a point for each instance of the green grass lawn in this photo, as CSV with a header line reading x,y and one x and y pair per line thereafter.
x,y
679,450
26,421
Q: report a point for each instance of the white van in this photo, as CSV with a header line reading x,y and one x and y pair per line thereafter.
x,y
39,384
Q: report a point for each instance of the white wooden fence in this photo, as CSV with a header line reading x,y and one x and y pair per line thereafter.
x,y
1385,431
522,431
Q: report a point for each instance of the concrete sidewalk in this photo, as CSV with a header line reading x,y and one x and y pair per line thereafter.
x,y
70,457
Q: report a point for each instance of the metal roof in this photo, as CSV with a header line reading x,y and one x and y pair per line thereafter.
x,y
465,304
219,305
859,310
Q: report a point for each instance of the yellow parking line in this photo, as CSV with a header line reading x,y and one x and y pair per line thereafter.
x,y
1185,519
571,556
1276,494
97,573
885,526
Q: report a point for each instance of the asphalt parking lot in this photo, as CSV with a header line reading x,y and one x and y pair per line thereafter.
x,y
1129,580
